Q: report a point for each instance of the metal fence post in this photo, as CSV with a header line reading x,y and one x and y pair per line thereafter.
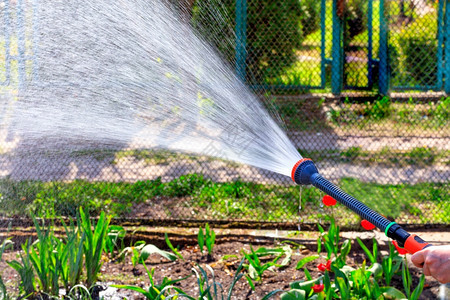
x,y
447,46
383,53
439,55
323,8
337,52
370,45
241,38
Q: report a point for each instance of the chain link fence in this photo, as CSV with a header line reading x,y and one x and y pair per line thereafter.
x,y
360,87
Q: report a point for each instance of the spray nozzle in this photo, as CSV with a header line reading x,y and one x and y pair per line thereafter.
x,y
304,172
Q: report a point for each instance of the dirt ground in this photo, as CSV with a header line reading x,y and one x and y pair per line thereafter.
x,y
231,241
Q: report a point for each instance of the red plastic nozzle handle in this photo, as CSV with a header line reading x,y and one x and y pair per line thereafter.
x,y
414,244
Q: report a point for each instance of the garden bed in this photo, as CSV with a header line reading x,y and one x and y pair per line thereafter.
x,y
224,271
224,260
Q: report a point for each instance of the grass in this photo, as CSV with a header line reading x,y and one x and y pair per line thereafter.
x,y
194,194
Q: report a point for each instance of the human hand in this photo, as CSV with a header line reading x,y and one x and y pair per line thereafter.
x,y
435,261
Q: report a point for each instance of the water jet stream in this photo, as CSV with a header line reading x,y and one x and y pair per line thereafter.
x,y
127,71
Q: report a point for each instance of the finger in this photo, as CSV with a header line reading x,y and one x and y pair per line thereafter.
x,y
426,269
418,259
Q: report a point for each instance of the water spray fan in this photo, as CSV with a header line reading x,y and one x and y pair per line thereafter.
x,y
305,172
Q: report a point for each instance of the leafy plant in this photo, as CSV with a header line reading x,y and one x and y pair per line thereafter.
x,y
372,255
331,242
133,252
214,290
206,238
72,256
114,240
156,291
169,244
351,153
256,267
140,251
390,264
93,245
27,284
306,260
45,260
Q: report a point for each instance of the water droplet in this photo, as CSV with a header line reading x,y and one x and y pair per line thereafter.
x,y
300,208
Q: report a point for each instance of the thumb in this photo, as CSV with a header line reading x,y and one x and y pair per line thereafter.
x,y
418,258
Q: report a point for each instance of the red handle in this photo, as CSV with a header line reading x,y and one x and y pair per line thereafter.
x,y
414,243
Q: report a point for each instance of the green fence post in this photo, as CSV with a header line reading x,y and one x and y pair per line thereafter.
x,y
241,38
383,78
439,55
323,8
447,46
337,52
370,45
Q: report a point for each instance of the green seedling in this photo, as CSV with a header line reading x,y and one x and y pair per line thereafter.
x,y
390,264
372,255
140,251
115,239
256,267
164,290
171,247
206,238
306,260
134,252
330,240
